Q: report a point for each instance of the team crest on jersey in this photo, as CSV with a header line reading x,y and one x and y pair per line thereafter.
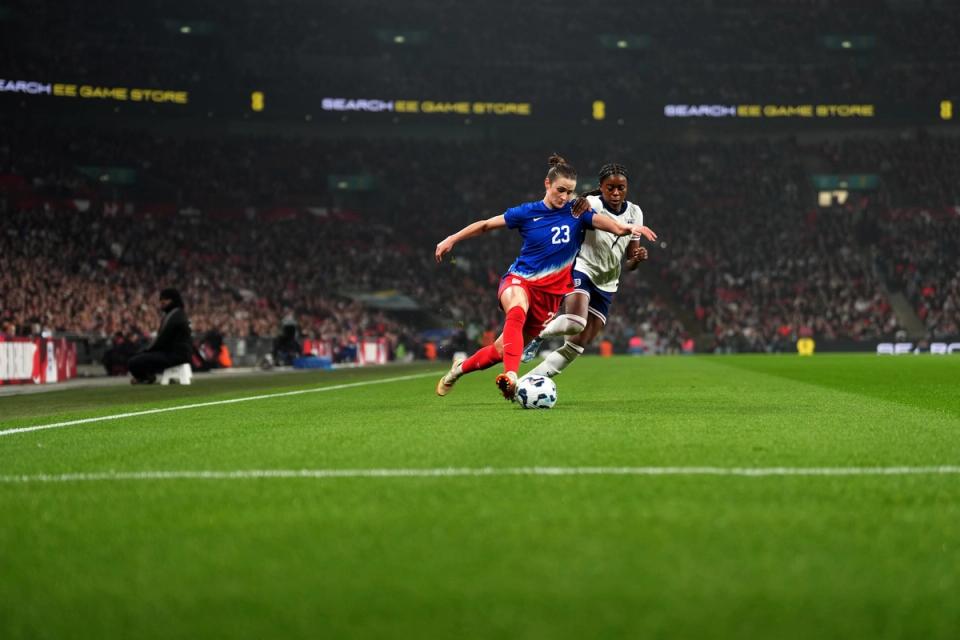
x,y
576,282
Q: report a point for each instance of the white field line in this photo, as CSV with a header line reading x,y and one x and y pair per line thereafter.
x,y
184,407
326,474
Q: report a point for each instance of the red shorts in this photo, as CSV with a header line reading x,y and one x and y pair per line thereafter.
x,y
544,301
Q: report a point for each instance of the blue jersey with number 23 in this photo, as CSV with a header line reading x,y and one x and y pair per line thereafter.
x,y
551,239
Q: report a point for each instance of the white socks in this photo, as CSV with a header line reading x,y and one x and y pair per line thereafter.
x,y
565,324
557,361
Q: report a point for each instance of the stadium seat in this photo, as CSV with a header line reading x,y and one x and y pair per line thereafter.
x,y
182,373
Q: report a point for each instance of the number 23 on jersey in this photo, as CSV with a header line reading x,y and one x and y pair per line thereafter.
x,y
561,235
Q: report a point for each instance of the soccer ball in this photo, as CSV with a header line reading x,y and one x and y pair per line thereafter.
x,y
536,392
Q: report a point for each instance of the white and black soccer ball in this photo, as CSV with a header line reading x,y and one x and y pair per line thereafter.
x,y
536,392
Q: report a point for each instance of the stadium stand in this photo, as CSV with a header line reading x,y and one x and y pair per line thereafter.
x,y
258,225
750,257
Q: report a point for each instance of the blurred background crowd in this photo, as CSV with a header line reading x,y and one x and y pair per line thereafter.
x,y
266,224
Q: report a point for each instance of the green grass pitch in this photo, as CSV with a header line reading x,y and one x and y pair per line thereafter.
x,y
496,555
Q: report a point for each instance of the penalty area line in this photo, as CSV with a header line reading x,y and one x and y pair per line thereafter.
x,y
449,472
213,403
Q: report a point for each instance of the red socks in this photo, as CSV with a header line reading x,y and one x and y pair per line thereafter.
x,y
482,359
513,338
512,346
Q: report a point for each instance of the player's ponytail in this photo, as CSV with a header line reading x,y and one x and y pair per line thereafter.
x,y
560,168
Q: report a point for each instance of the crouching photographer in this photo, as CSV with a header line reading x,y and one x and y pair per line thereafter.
x,y
172,346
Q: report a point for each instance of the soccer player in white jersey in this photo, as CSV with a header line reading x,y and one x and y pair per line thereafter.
x,y
596,275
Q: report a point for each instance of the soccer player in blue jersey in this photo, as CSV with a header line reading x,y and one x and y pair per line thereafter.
x,y
534,285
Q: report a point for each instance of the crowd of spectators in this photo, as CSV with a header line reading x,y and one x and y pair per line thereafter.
x,y
922,246
95,269
916,219
746,258
915,171
754,258
67,271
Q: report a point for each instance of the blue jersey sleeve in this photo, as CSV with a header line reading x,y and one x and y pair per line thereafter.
x,y
587,218
516,215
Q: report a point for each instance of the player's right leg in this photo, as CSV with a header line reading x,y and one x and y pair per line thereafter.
x,y
515,299
572,348
507,383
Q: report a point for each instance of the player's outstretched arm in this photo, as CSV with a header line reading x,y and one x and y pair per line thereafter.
x,y
638,230
609,224
473,229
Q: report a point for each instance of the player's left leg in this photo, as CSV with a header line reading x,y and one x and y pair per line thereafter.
x,y
565,324
445,385
571,317
482,358
574,346
569,320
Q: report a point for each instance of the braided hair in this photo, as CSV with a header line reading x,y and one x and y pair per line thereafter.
x,y
612,169
607,170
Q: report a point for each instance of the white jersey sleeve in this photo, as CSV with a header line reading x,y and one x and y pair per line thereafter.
x,y
602,252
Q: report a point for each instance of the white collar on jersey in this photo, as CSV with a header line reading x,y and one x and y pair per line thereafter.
x,y
610,209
